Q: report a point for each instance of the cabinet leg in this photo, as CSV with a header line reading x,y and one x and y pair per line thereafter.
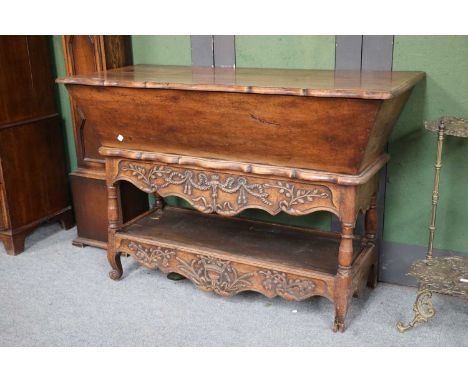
x,y
14,245
340,316
370,236
116,264
422,308
67,220
343,280
373,278
113,212
342,297
370,222
159,201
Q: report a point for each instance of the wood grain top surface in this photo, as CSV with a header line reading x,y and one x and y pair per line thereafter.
x,y
299,82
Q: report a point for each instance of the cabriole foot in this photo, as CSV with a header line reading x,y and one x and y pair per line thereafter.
x,y
115,274
114,261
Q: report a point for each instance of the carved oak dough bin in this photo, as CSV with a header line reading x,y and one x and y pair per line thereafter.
x,y
226,140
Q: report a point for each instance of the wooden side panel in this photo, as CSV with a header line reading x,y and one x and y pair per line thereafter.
x,y
3,212
89,195
388,114
83,54
90,205
117,51
304,132
88,54
23,92
34,170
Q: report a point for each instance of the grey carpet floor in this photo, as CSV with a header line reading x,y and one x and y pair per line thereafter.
x,y
55,294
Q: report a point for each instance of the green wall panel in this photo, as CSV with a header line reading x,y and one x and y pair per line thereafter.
x,y
301,52
63,103
162,50
410,171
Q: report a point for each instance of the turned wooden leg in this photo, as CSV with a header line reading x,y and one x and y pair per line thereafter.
x,y
67,220
422,308
113,213
373,278
159,201
371,220
343,278
14,245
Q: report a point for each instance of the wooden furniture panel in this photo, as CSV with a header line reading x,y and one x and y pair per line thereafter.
x,y
89,197
4,224
25,94
213,124
279,140
185,117
33,184
34,172
83,55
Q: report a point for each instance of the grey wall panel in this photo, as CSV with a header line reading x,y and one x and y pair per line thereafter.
x,y
347,57
202,50
373,53
377,52
224,51
348,52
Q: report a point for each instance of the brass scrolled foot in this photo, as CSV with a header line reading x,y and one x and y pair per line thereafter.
x,y
423,310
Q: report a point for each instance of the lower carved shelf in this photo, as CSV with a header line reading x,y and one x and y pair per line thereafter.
x,y
231,255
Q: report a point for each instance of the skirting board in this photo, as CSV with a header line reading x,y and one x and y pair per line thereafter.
x,y
396,259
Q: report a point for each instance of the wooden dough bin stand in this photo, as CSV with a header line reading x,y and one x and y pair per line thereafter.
x,y
227,140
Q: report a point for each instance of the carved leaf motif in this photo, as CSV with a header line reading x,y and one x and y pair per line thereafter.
x,y
215,275
295,196
278,283
211,189
151,256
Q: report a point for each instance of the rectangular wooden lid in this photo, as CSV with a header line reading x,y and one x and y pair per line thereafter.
x,y
299,82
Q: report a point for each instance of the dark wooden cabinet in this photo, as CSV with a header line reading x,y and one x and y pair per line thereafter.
x,y
87,54
33,183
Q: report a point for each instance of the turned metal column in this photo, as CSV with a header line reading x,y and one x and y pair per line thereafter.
x,y
430,273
